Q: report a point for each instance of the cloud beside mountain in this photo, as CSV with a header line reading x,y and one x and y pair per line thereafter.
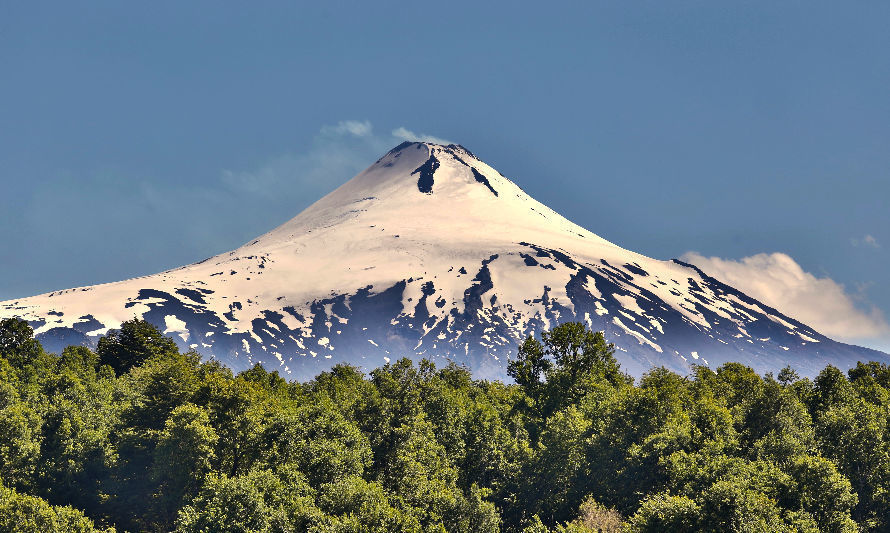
x,y
778,280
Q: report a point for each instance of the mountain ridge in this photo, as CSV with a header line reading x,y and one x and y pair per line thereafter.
x,y
430,252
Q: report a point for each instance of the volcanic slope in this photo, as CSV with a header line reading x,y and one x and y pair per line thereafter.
x,y
432,253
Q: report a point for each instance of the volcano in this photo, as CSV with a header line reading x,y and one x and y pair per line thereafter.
x,y
431,253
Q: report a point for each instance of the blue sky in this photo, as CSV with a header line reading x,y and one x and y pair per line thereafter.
x,y
752,137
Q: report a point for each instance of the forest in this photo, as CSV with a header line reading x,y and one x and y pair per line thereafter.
x,y
138,436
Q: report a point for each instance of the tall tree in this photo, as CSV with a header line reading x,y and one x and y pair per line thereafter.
x,y
136,341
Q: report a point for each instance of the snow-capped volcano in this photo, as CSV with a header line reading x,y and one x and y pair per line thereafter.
x,y
432,253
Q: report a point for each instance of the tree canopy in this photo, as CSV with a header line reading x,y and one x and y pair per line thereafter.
x,y
138,436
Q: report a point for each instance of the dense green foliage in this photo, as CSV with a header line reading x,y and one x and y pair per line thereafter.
x,y
141,437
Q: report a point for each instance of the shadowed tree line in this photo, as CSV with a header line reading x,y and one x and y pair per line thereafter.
x,y
137,436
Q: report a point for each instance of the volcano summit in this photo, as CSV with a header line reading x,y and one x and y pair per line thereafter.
x,y
432,253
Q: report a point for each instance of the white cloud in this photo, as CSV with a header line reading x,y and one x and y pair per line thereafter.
x,y
352,127
778,281
868,240
408,135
